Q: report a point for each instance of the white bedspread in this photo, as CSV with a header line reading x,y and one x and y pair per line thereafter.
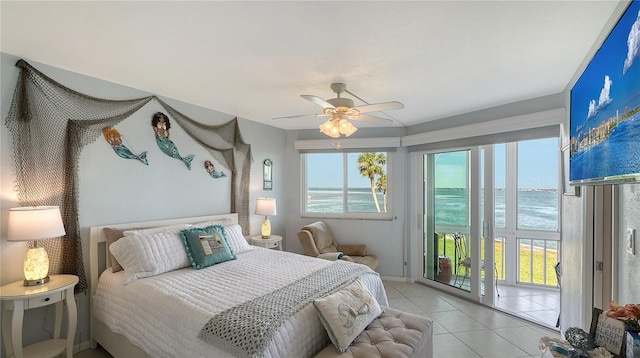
x,y
163,314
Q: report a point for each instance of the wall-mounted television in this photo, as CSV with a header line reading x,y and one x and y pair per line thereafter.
x,y
605,109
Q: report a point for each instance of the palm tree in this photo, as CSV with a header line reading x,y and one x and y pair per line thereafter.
x,y
381,186
369,165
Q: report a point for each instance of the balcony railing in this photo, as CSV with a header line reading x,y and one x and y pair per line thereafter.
x,y
536,258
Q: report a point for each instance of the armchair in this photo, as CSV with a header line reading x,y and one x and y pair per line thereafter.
x,y
318,241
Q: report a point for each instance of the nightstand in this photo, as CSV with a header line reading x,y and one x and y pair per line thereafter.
x,y
17,298
273,242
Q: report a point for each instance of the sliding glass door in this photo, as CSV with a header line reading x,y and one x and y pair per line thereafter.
x,y
491,214
452,222
527,212
447,208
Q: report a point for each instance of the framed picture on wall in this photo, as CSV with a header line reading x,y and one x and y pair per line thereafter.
x,y
267,175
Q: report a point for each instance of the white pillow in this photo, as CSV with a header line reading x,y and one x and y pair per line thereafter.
x,y
153,230
147,255
346,313
235,238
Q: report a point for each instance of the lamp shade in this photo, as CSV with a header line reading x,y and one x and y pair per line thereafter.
x,y
266,206
31,223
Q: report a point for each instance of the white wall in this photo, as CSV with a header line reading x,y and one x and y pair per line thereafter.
x,y
114,190
628,264
573,259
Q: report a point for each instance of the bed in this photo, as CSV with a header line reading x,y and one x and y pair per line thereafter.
x,y
163,314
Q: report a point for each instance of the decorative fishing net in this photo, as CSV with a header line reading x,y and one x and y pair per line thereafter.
x,y
50,124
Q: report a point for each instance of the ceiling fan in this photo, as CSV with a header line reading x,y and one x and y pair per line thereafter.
x,y
341,109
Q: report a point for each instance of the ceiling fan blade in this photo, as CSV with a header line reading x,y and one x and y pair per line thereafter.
x,y
303,116
317,100
367,118
380,107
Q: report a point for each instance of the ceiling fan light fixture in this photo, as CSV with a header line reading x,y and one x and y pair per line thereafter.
x,y
335,130
347,128
326,127
329,111
352,113
344,108
336,126
329,128
344,103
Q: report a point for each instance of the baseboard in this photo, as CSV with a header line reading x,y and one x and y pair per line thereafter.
x,y
396,279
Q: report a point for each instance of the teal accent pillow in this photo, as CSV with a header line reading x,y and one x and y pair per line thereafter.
x,y
207,246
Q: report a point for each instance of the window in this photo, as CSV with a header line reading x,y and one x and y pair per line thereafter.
x,y
346,184
451,181
538,184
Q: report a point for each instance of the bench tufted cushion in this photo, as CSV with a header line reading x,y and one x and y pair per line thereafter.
x,y
395,334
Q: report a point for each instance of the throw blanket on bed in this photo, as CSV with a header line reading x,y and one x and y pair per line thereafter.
x,y
246,329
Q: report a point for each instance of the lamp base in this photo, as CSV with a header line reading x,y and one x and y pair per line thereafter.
x,y
266,228
40,281
36,267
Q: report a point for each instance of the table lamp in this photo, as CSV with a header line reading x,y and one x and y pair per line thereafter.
x,y
33,223
266,206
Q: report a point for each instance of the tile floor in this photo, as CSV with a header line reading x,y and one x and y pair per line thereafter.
x,y
462,329
533,304
541,305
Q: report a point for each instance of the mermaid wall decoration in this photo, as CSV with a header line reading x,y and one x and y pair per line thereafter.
x,y
208,166
161,125
114,138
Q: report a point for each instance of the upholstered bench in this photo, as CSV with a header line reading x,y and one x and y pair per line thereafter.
x,y
395,334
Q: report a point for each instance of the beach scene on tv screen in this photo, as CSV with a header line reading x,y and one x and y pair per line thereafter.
x,y
605,106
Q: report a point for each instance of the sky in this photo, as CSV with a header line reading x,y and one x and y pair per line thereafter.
x,y
611,81
326,169
537,166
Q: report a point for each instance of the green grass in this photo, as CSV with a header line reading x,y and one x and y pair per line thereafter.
x,y
526,257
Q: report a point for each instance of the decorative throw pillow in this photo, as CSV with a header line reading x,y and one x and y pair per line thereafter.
x,y
346,313
207,246
236,240
147,255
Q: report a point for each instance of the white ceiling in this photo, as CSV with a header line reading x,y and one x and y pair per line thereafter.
x,y
254,59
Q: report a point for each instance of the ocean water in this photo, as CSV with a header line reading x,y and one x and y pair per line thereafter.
x,y
360,200
536,209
